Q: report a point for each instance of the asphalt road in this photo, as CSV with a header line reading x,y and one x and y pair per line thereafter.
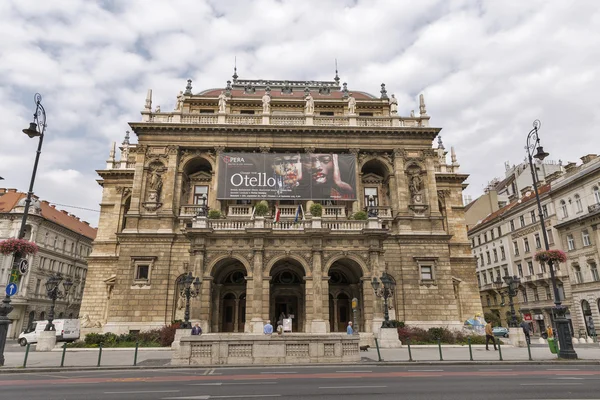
x,y
314,383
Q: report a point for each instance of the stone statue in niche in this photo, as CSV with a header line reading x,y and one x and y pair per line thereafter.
x,y
415,185
154,186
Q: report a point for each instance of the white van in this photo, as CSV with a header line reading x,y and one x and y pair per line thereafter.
x,y
67,330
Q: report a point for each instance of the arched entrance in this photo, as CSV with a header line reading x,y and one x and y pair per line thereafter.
x,y
287,294
344,285
229,297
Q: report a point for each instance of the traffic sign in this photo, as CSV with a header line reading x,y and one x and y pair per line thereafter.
x,y
23,266
11,289
14,276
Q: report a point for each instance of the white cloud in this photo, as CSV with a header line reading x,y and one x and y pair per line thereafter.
x,y
487,69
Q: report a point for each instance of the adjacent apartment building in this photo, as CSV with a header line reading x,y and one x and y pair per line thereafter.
x,y
292,144
64,242
576,197
571,207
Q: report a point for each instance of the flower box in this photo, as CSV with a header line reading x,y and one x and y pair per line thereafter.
x,y
550,255
22,246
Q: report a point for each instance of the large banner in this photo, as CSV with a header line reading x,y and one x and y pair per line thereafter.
x,y
324,176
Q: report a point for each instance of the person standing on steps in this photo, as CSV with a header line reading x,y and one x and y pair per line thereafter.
x,y
349,329
489,335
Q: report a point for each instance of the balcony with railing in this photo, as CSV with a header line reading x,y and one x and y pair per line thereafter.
x,y
236,224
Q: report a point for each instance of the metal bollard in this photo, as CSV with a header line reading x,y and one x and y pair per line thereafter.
x,y
99,355
378,354
409,352
62,360
470,350
137,344
440,348
500,350
529,351
26,355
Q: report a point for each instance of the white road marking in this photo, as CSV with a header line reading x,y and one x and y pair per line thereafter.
x,y
205,397
425,370
144,391
566,377
562,369
496,369
350,387
231,383
346,372
278,372
549,384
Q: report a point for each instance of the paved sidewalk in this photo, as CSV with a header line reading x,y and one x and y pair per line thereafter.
x,y
161,357
479,353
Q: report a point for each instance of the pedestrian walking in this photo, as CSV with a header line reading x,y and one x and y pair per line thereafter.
x,y
526,331
489,335
349,329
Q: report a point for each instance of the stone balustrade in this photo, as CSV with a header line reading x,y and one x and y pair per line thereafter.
x,y
201,222
245,349
284,119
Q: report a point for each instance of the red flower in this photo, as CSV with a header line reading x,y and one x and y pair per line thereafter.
x,y
11,246
550,255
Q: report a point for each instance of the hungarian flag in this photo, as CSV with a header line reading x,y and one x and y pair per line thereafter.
x,y
298,211
277,214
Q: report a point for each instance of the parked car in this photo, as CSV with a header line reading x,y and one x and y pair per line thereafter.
x,y
67,330
500,331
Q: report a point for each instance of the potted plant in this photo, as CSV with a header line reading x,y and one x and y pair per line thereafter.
x,y
316,210
21,246
214,214
550,255
360,216
261,208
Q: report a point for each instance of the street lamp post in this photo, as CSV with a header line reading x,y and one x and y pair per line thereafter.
x,y
512,283
36,128
185,289
384,290
559,311
52,288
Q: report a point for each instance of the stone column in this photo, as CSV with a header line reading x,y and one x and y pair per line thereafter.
x,y
215,184
136,191
236,314
203,311
335,315
256,295
400,184
216,308
368,305
432,197
325,289
169,176
376,301
318,324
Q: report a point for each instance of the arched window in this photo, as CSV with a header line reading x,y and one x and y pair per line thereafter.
x,y
596,194
563,209
578,205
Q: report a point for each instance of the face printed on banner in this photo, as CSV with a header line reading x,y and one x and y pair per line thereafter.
x,y
321,168
289,168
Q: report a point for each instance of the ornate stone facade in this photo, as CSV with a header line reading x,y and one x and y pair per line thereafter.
x,y
153,227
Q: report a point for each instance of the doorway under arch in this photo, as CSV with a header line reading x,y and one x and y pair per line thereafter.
x,y
229,297
286,294
344,285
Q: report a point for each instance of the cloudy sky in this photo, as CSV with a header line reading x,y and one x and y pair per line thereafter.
x,y
487,69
